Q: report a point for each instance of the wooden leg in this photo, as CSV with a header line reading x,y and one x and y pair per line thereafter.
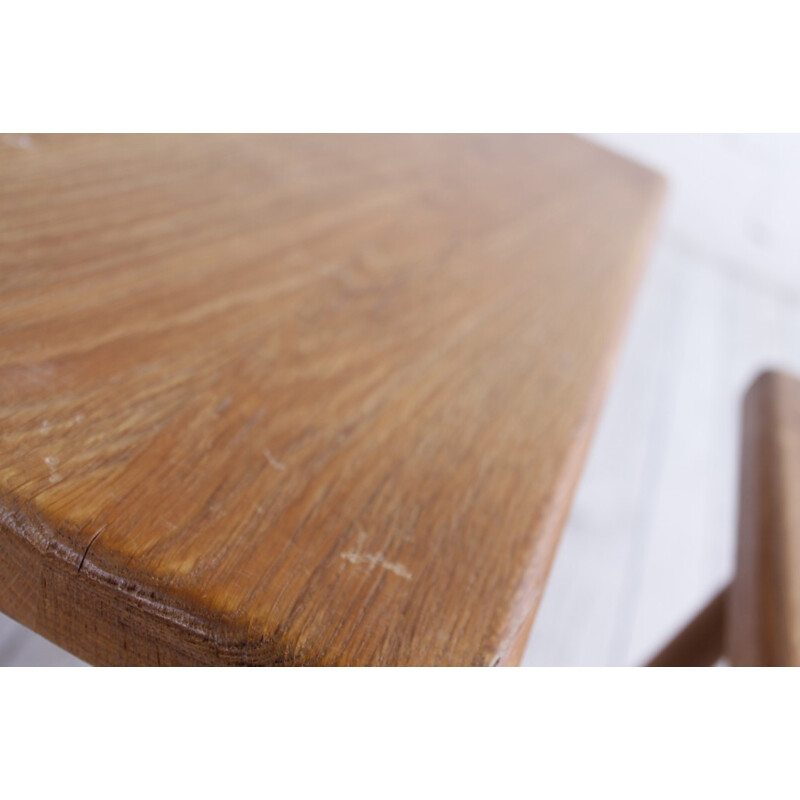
x,y
764,609
756,621
701,642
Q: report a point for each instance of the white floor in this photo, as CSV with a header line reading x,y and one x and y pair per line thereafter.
x,y
652,530
651,533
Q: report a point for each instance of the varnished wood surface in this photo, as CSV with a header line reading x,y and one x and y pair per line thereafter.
x,y
301,400
764,612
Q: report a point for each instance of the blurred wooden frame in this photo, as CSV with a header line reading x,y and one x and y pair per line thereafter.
x,y
756,620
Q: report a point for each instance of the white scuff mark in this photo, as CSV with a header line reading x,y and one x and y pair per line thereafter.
x,y
19,140
78,418
273,462
45,426
373,560
52,463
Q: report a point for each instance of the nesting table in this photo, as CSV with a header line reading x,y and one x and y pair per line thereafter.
x,y
301,400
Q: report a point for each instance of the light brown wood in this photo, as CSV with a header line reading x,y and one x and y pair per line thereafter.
x,y
701,642
301,399
764,612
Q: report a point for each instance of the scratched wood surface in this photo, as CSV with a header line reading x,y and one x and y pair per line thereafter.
x,y
301,399
764,605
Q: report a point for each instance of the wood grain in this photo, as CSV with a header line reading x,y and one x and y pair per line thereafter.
x,y
301,399
764,611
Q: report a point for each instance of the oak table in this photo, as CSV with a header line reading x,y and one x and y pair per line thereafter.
x,y
301,399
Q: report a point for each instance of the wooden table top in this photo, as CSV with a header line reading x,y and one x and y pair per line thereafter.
x,y
301,399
